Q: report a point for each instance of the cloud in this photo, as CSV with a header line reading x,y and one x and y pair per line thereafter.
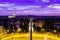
x,y
45,0
6,4
57,6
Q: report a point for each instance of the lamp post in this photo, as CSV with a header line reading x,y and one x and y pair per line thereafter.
x,y
31,25
58,31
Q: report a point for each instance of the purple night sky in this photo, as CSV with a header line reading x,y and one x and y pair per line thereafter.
x,y
30,7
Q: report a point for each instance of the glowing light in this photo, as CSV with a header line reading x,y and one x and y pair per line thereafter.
x,y
10,16
30,27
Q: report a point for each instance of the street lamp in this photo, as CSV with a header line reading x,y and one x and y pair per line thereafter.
x,y
58,31
31,25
